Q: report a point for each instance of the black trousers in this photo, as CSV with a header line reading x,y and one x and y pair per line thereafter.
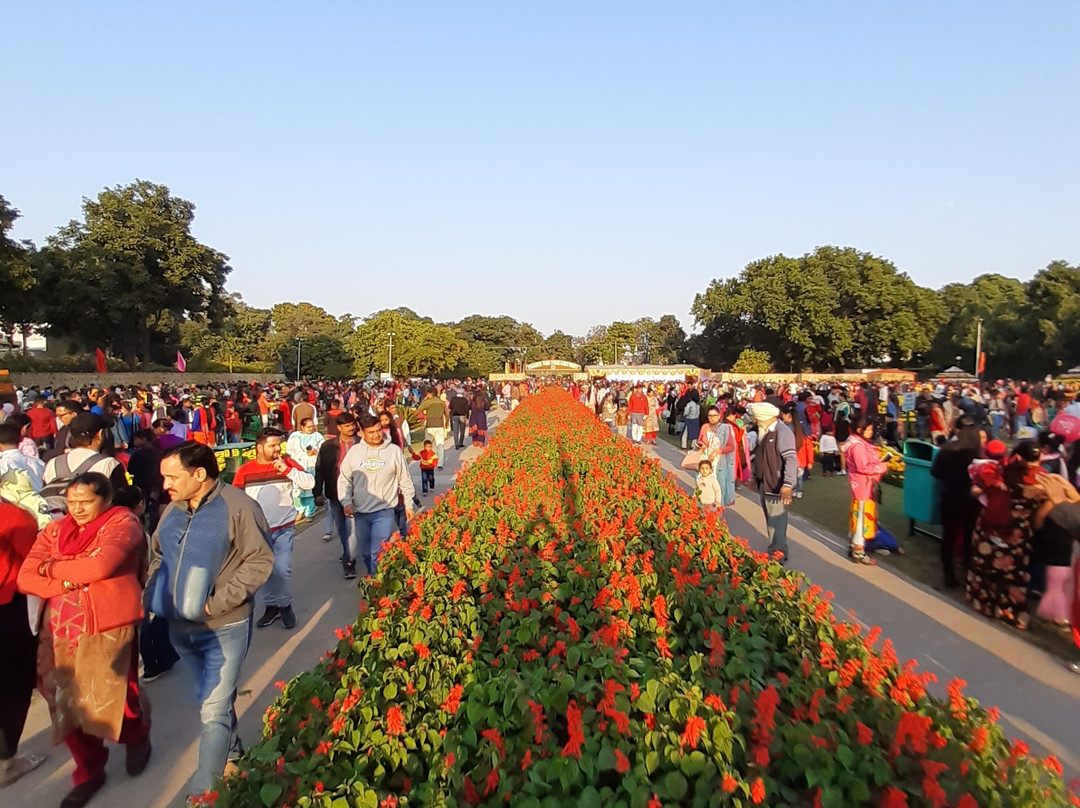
x,y
155,647
18,673
958,517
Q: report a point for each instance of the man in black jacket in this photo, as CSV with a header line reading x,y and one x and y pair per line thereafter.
x,y
775,465
327,465
459,417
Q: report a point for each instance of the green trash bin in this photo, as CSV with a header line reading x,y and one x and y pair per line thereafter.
x,y
922,492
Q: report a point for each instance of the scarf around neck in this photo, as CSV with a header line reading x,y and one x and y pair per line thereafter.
x,y
73,540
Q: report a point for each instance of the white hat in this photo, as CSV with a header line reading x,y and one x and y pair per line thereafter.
x,y
764,411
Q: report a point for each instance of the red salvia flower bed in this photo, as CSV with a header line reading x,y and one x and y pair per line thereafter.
x,y
567,628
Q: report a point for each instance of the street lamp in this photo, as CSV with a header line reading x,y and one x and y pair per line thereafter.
x,y
390,356
298,342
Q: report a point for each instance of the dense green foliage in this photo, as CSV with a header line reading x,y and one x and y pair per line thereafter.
x,y
158,289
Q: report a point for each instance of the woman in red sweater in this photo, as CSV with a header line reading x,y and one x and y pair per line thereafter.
x,y
88,567
18,673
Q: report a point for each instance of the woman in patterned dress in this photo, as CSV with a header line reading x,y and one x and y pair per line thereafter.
x,y
88,568
997,579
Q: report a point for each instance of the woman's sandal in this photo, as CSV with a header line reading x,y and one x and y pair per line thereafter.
x,y
19,767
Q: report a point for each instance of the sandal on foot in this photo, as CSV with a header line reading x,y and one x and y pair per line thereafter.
x,y
19,767
862,558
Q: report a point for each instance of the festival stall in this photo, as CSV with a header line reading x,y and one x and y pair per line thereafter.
x,y
646,373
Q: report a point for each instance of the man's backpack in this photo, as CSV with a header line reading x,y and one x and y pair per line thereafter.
x,y
54,493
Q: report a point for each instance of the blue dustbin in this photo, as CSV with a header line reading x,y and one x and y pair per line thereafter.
x,y
922,492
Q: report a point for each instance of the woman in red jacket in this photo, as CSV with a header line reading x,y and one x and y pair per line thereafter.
x,y
88,568
18,673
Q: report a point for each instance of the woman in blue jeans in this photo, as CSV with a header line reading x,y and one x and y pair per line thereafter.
x,y
373,475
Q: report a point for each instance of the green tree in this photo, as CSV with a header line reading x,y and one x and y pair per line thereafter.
x,y
559,345
293,321
19,303
1054,303
1009,342
751,361
321,356
134,256
241,338
660,341
420,346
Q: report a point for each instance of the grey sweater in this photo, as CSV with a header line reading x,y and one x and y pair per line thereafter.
x,y
775,462
370,477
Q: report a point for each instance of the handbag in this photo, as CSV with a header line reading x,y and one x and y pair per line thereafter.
x,y
691,460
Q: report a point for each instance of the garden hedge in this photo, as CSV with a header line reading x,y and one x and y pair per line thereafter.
x,y
567,628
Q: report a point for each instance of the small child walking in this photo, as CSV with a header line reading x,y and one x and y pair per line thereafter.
x,y
707,486
829,451
429,459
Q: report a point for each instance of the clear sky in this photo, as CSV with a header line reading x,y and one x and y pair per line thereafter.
x,y
568,163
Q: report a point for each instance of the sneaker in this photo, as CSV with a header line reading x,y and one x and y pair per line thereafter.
x,y
151,676
327,536
288,617
236,750
271,614
350,570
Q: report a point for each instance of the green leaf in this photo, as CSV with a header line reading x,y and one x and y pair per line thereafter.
x,y
590,798
269,794
652,761
845,755
390,691
675,785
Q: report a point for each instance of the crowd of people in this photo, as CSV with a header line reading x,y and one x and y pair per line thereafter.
x,y
1010,512
121,542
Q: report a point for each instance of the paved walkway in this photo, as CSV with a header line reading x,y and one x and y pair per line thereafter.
x,y
1039,699
323,601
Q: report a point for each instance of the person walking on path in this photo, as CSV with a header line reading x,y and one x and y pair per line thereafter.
x,y
436,418
459,418
303,447
637,407
327,470
717,444
43,426
775,465
85,438
370,479
18,674
865,470
959,509
269,479
65,412
302,409
208,557
478,420
88,568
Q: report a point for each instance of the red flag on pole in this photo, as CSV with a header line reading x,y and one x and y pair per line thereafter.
x,y
181,365
99,358
982,363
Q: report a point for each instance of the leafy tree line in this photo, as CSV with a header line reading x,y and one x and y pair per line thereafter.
x,y
838,308
129,277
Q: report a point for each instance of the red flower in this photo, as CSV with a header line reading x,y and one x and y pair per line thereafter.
x,y
453,700
967,801
757,791
729,784
422,651
893,798
574,728
654,802
931,788
622,764
526,759
395,723
865,734
694,725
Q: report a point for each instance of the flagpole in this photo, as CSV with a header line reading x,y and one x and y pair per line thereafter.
x,y
978,348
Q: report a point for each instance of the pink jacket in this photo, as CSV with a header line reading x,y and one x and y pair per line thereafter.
x,y
864,467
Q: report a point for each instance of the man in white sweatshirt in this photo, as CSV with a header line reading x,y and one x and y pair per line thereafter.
x,y
373,475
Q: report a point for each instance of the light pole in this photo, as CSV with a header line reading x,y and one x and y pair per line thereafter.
x,y
390,356
298,342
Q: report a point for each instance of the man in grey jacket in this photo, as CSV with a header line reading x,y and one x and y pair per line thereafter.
x,y
208,557
775,465
373,475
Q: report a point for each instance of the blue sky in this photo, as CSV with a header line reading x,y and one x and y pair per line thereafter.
x,y
568,163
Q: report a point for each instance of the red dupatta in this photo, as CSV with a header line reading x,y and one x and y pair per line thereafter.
x,y
73,539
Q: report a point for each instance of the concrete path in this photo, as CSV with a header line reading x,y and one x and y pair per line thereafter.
x,y
323,600
1038,697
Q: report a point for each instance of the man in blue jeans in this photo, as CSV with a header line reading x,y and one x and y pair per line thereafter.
x,y
208,557
327,467
373,478
270,479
